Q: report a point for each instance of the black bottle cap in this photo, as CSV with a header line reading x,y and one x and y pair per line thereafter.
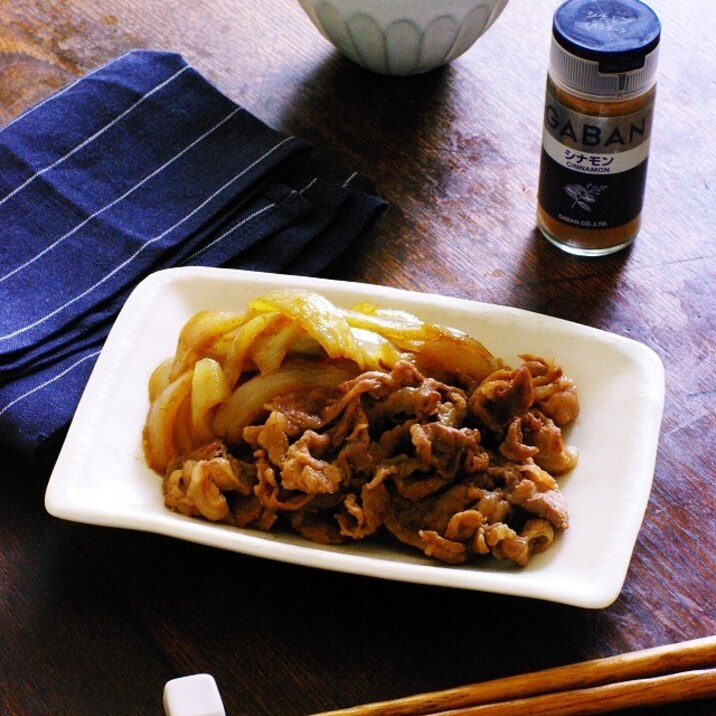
x,y
618,34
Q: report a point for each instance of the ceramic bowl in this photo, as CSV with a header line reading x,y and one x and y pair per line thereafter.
x,y
402,37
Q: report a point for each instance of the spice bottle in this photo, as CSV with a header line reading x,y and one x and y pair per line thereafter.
x,y
599,109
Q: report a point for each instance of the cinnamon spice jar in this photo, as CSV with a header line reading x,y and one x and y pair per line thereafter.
x,y
598,119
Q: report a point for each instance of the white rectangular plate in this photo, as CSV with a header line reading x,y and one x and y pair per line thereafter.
x,y
101,477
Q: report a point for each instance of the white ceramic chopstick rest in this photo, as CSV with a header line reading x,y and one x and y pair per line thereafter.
x,y
195,695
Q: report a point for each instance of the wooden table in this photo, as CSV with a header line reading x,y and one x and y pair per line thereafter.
x,y
96,620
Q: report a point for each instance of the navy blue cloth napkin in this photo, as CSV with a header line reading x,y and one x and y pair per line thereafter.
x,y
138,166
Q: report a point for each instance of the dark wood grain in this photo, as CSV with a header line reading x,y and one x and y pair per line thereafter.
x,y
95,620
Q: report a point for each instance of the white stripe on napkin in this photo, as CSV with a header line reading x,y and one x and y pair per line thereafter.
x,y
57,94
218,239
246,219
151,241
49,381
94,136
116,201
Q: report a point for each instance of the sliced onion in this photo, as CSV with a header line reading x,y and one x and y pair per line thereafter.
x,y
235,362
198,334
159,379
269,349
159,430
400,327
378,351
456,354
319,318
209,388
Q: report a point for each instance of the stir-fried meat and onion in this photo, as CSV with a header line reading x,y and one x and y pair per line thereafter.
x,y
348,423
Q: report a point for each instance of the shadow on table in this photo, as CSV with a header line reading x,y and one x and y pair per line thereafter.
x,y
379,124
582,289
405,133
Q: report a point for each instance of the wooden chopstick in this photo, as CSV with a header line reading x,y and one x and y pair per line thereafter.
x,y
658,690
673,670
